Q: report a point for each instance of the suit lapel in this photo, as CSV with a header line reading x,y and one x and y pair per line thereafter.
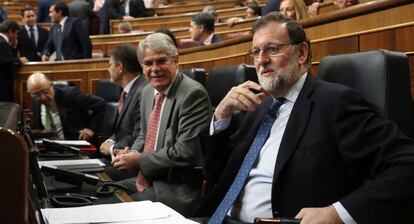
x,y
296,125
128,100
167,110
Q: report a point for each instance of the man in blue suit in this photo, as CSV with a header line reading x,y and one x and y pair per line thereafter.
x,y
64,109
202,29
68,37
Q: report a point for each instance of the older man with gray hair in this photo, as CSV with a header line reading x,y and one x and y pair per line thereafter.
x,y
174,111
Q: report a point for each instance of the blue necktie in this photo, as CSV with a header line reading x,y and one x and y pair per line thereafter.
x,y
250,158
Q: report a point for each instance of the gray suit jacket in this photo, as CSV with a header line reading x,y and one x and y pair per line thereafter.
x,y
186,113
128,123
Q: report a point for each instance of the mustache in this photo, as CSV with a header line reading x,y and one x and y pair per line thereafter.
x,y
155,74
267,68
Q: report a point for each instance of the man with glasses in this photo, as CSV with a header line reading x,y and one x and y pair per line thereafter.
x,y
307,149
175,109
64,109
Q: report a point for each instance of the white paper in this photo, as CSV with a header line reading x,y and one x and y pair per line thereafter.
x,y
71,162
68,142
141,212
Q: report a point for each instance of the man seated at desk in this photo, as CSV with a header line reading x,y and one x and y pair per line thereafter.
x,y
64,109
175,109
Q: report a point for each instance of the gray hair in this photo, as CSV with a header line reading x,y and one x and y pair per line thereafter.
x,y
158,42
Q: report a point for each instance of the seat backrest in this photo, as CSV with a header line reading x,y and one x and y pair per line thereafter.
x,y
222,79
109,121
382,77
108,90
198,74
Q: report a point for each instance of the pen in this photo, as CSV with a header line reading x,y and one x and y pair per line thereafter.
x,y
82,196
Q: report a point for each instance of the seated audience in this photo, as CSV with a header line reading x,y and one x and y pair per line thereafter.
x,y
126,9
68,37
175,109
307,149
202,29
124,27
252,11
293,9
9,62
126,72
340,4
64,109
212,11
32,38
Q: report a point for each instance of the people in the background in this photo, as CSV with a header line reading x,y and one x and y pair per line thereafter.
x,y
68,37
83,11
43,10
202,29
252,11
175,109
64,109
124,27
32,38
340,4
294,9
126,9
9,62
169,33
212,11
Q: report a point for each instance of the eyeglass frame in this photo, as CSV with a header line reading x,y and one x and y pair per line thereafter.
x,y
278,47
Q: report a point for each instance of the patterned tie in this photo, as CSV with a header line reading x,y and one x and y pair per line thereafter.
x,y
250,158
32,35
151,137
59,54
121,101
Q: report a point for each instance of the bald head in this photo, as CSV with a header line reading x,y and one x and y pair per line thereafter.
x,y
40,88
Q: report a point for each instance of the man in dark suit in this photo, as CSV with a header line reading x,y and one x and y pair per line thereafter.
x,y
202,29
81,10
28,46
126,72
8,61
174,111
68,37
325,156
65,110
126,9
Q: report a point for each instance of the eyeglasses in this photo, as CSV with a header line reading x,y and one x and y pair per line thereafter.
x,y
40,92
270,50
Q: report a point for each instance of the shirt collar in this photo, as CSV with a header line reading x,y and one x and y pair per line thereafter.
x,y
208,40
127,88
27,27
293,93
5,37
62,22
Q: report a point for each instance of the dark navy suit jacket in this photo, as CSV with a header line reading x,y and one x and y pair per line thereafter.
x,y
27,48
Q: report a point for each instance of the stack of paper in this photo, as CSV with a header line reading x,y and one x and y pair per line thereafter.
x,y
142,212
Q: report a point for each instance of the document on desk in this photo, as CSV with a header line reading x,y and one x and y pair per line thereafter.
x,y
141,212
69,142
72,162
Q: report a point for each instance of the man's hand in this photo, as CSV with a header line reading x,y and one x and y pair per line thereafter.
x,y
241,97
325,215
45,58
85,134
127,159
106,146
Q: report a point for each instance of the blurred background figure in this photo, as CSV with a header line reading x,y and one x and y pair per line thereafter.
x,y
169,33
340,4
202,29
124,27
294,9
253,11
83,11
212,11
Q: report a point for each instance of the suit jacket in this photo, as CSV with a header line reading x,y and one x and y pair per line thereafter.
x,y
136,9
335,148
81,10
186,113
271,6
74,108
76,42
127,125
8,63
27,48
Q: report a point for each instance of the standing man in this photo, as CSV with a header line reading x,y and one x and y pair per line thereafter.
x,y
126,72
32,38
202,29
308,149
8,61
174,111
83,11
65,110
68,37
126,9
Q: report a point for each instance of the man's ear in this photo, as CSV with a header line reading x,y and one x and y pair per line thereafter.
x,y
303,53
120,68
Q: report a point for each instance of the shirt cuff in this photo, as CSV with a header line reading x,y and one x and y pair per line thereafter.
x,y
343,213
111,152
220,125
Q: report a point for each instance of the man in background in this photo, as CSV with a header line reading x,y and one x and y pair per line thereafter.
x,y
64,109
68,37
32,38
202,29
